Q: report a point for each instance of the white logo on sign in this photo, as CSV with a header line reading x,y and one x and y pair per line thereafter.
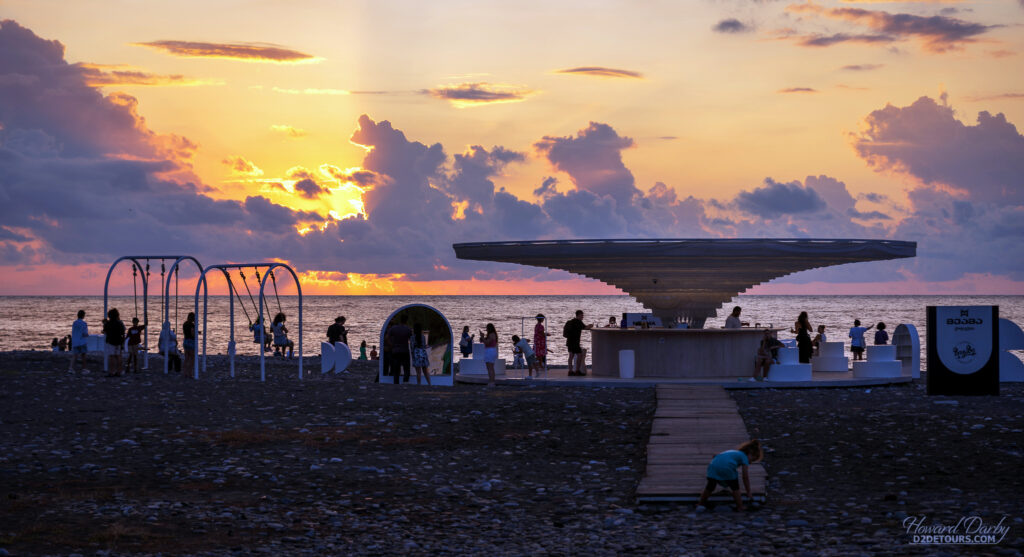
x,y
963,337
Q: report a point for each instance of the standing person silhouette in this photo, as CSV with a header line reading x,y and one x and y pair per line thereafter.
x,y
420,354
134,344
572,332
79,340
113,330
540,341
466,342
189,343
490,340
857,342
399,336
802,328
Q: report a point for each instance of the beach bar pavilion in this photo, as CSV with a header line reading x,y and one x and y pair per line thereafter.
x,y
683,281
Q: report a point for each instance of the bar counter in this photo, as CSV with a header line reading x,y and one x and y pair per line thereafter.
x,y
679,353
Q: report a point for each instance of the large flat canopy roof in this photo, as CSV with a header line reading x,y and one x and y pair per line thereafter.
x,y
686,278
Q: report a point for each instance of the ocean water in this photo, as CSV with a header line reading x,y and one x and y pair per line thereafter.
x,y
31,322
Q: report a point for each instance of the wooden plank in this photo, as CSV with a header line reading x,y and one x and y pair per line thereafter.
x,y
733,440
698,404
699,429
693,412
690,486
695,470
698,448
661,426
692,424
678,395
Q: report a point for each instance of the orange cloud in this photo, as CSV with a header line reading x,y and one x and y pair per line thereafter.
x,y
337,283
249,52
464,95
798,90
97,76
599,71
240,166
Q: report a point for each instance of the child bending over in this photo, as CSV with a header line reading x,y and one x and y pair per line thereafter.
x,y
723,471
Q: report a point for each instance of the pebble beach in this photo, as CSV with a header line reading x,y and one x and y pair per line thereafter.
x,y
153,464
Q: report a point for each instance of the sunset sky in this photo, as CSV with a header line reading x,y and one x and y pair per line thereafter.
x,y
359,140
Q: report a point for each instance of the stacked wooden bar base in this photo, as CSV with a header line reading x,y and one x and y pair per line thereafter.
x,y
691,425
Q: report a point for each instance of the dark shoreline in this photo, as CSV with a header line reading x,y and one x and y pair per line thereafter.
x,y
338,465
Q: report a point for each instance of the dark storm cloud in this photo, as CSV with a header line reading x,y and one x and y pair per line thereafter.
x,y
731,25
309,189
775,199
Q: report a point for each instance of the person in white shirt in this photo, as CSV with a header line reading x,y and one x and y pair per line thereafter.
x,y
168,343
733,321
857,343
528,353
79,340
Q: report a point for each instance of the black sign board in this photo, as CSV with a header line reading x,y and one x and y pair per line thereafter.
x,y
963,350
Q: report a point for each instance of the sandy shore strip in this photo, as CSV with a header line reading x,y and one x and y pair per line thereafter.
x,y
150,463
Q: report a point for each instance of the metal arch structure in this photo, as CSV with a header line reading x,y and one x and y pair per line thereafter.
x,y
145,296
202,283
451,337
167,300
686,280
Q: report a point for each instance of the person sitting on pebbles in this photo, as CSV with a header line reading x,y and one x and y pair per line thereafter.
x,y
723,471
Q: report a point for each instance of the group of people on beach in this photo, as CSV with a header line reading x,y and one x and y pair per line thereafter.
x,y
404,346
767,351
123,346
534,358
337,332
277,339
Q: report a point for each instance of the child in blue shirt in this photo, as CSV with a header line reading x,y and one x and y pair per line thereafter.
x,y
723,471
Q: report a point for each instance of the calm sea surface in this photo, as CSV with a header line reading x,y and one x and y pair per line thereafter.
x,y
31,322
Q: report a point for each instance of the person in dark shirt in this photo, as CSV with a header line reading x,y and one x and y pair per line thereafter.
x,y
134,344
572,331
337,331
881,335
399,336
189,328
113,330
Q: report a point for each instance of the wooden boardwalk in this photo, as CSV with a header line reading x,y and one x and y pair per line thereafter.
x,y
691,425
